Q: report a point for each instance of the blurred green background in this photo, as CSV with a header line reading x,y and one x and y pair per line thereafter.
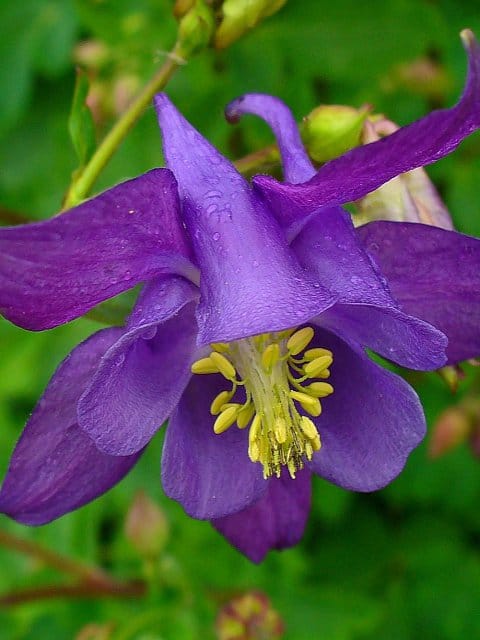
x,y
400,564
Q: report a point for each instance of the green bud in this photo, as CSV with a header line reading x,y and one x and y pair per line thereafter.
x,y
195,29
249,617
146,526
331,130
239,16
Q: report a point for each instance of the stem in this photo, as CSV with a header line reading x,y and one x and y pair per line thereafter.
x,y
257,160
132,589
88,574
81,186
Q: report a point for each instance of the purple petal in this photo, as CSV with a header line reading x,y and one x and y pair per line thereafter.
x,y
55,467
435,275
369,425
143,375
56,270
296,163
406,340
366,168
210,475
366,312
251,282
329,248
276,521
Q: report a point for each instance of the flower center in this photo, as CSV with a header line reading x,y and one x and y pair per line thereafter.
x,y
273,368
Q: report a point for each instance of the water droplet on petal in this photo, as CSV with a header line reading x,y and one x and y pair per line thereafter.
x,y
216,236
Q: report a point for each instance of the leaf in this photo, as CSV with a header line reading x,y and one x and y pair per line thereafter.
x,y
80,122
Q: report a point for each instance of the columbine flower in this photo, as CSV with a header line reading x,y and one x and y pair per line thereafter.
x,y
251,329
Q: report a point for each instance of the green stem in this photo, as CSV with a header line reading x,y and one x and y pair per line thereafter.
x,y
81,186
53,559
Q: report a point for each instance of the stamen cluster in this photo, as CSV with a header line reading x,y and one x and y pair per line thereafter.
x,y
273,372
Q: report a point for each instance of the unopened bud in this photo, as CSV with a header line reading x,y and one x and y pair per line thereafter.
x,y
410,197
146,526
195,29
249,617
331,130
239,16
451,429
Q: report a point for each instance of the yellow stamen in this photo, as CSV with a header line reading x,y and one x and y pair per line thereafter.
x,y
313,368
319,389
245,415
270,357
221,347
280,430
272,368
204,365
311,354
310,404
224,366
300,340
226,419
222,398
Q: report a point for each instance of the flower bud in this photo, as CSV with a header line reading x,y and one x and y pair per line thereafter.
x,y
331,130
195,29
410,197
239,16
146,526
451,429
249,617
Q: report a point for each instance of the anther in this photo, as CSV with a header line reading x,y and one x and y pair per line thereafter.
x,y
309,403
280,430
224,366
300,340
204,365
226,419
311,354
308,428
315,367
319,389
222,398
270,357
245,415
221,347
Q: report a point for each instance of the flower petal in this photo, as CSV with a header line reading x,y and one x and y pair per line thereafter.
x,y
58,269
276,521
369,425
296,163
143,375
247,267
435,275
210,475
55,467
404,339
365,312
366,168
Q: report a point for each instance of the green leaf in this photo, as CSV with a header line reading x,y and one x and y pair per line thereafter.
x,y
80,121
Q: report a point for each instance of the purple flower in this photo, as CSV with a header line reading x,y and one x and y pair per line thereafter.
x,y
287,293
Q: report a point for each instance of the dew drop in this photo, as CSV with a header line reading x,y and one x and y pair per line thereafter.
x,y
149,333
255,263
216,236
